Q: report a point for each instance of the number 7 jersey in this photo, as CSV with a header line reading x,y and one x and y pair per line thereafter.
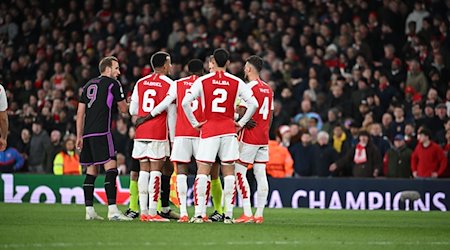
x,y
148,92
259,135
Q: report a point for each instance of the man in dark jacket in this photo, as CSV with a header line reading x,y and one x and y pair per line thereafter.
x,y
303,156
398,159
324,155
364,158
52,150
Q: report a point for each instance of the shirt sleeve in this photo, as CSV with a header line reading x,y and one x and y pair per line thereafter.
x,y
166,102
3,101
191,95
83,97
117,92
134,103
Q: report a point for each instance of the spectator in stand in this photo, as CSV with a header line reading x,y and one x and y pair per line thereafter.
x,y
399,122
285,136
364,158
441,115
324,155
67,162
378,139
52,150
10,160
280,117
410,136
446,148
428,159
38,143
280,163
303,156
340,141
416,78
397,160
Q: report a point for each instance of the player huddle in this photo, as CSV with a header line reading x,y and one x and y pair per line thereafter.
x,y
197,116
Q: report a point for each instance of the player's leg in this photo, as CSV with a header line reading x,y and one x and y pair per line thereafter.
x,y
86,158
247,154
167,172
143,179
262,190
88,188
133,208
259,169
111,191
154,189
207,151
216,193
228,153
182,151
182,187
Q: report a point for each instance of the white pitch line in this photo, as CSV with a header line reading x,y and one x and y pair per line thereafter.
x,y
212,243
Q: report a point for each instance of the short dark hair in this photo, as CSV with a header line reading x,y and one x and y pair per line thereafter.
x,y
221,57
195,66
106,62
425,131
256,61
159,59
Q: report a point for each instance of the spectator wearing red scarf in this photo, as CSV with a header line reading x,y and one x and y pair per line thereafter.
x,y
364,159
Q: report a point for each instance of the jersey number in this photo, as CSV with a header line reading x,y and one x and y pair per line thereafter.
x,y
221,96
148,103
91,94
264,110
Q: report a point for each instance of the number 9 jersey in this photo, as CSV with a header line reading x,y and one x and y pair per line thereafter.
x,y
148,92
99,94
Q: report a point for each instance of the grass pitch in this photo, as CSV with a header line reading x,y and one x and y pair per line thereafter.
x,y
38,226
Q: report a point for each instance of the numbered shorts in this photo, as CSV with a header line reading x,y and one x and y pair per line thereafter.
x,y
97,149
184,148
153,150
253,153
225,147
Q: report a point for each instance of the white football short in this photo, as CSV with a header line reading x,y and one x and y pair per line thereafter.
x,y
184,148
153,150
226,147
253,153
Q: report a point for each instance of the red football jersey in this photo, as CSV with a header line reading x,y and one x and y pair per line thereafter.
x,y
149,91
218,91
183,127
259,135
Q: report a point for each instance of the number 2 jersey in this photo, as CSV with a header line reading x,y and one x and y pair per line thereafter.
x,y
148,92
259,135
99,94
218,92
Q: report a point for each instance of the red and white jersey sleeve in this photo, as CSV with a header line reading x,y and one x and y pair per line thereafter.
x,y
263,94
151,90
183,127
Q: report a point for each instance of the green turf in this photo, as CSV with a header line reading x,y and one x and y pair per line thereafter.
x,y
38,226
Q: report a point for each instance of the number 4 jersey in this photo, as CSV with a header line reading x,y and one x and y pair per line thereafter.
x,y
148,92
259,135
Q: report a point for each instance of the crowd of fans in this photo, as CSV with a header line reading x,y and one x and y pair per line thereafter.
x,y
336,68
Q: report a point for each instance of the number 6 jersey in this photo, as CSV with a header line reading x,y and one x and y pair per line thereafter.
x,y
148,92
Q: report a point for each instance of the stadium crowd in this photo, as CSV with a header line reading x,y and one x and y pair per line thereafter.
x,y
336,68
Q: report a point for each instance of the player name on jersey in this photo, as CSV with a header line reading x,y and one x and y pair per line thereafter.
x,y
220,82
156,84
